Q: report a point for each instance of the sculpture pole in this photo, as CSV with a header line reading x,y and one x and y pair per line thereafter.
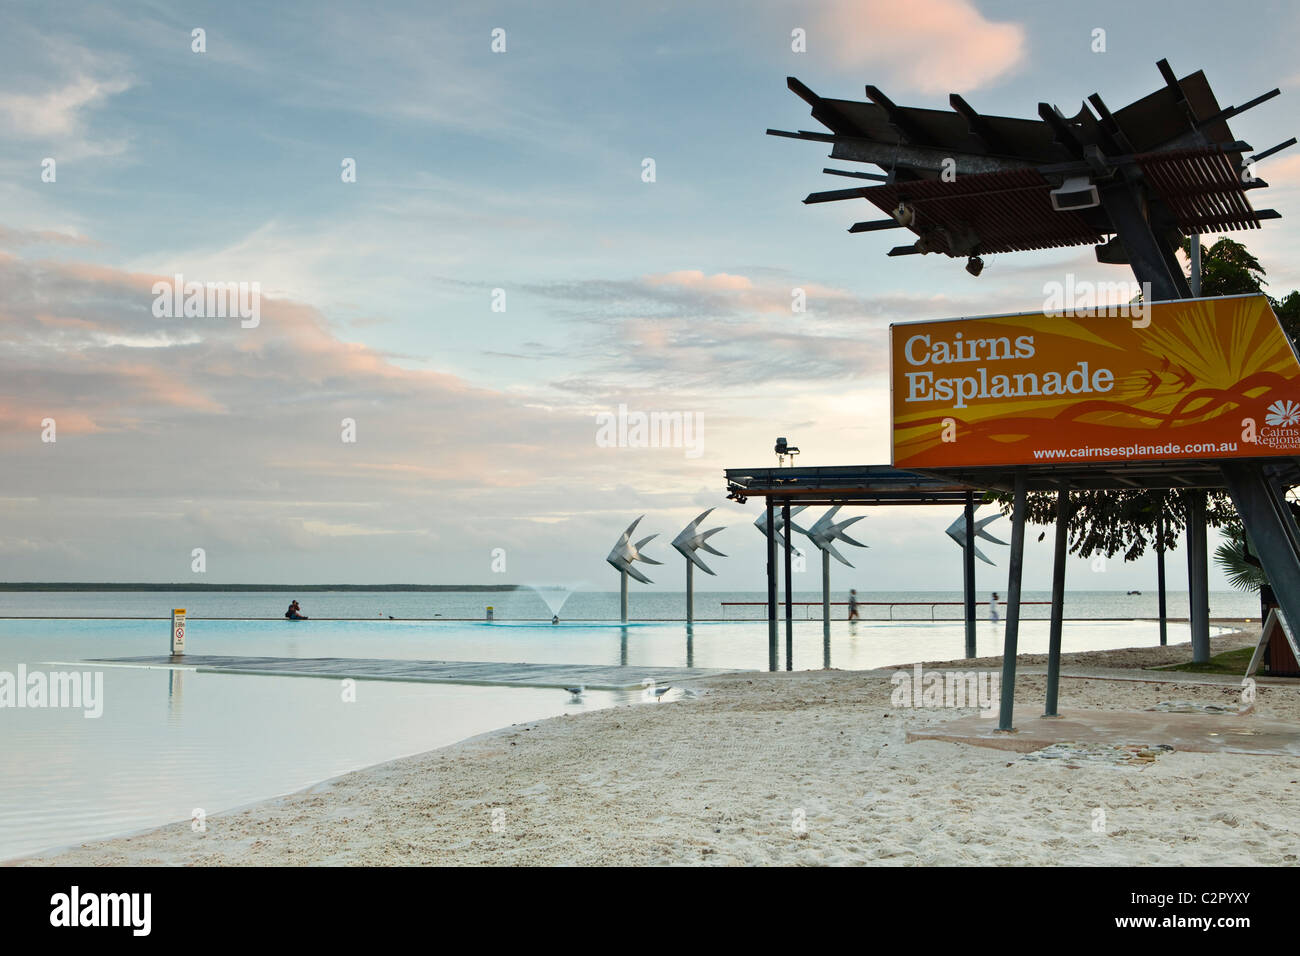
x,y
621,557
688,542
824,533
690,592
826,610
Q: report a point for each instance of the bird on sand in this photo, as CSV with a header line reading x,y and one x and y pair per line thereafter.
x,y
576,691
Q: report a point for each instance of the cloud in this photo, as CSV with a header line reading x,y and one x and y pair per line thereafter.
x,y
14,238
55,86
56,112
930,46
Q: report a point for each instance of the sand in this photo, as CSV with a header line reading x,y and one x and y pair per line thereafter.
x,y
801,768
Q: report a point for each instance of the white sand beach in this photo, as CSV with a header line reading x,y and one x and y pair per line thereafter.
x,y
726,777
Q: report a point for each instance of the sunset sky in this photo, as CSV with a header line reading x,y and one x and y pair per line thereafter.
x,y
518,171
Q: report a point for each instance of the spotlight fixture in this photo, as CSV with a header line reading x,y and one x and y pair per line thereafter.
x,y
782,449
974,265
1077,192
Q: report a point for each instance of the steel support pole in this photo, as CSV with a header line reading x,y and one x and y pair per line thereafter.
x,y
1274,534
1013,602
771,585
1198,576
968,573
1058,602
622,597
690,591
1160,577
789,609
826,610
1126,209
1194,282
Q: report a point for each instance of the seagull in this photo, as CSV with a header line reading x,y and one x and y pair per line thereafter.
x,y
660,691
576,691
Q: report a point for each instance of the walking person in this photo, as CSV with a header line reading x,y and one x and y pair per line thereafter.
x,y
853,604
993,608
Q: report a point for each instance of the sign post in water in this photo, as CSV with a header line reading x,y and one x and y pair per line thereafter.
x,y
178,631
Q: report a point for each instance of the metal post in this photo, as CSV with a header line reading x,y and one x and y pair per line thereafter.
x,y
1160,576
1013,603
1147,257
622,597
1274,534
178,632
1198,576
1058,603
1195,280
690,591
771,586
789,611
826,610
968,573
690,646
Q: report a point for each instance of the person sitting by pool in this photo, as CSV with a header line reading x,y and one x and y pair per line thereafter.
x,y
295,613
555,619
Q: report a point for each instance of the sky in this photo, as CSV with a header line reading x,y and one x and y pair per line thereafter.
x,y
501,271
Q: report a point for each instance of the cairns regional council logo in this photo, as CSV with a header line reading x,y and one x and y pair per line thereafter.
x,y
1281,425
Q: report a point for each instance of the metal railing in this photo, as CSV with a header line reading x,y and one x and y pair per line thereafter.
x,y
809,616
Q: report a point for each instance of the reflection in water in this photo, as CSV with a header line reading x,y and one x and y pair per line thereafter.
x,y
174,688
690,646
622,647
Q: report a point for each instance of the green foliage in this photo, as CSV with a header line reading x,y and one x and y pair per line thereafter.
x,y
1231,558
1121,522
1229,662
1288,312
1228,268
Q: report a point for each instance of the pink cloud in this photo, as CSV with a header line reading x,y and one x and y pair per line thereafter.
x,y
930,46
695,279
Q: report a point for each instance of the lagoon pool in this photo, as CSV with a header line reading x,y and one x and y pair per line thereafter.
x,y
169,743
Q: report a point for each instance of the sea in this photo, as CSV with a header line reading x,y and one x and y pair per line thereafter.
x,y
180,745
541,603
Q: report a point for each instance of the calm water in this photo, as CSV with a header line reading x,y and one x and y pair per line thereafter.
x,y
577,606
171,742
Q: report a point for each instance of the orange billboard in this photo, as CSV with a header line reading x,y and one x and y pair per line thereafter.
x,y
1202,378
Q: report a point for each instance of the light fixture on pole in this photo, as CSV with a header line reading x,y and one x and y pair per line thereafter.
x,y
687,543
782,449
622,556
